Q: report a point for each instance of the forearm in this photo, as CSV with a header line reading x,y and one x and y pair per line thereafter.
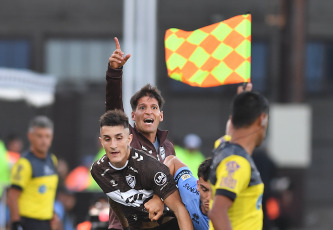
x,y
174,202
220,221
113,91
183,218
13,205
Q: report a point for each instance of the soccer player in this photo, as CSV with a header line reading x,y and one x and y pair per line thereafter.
x,y
124,177
236,184
195,193
147,114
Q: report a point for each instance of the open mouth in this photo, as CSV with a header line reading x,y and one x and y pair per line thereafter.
x,y
148,121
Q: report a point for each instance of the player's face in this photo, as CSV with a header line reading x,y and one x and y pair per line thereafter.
x,y
116,142
40,140
205,194
147,115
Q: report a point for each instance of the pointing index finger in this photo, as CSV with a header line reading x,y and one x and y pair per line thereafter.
x,y
117,43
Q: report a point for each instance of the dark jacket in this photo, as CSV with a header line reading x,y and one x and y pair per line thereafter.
x,y
114,100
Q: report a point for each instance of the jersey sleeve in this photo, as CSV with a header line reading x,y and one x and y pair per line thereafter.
x,y
95,172
187,184
233,175
161,180
21,173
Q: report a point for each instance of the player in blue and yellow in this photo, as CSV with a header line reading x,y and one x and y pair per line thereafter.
x,y
34,180
195,193
237,188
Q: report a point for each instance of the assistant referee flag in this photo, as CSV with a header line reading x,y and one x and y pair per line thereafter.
x,y
213,55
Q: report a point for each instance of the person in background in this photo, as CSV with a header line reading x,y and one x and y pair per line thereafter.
x,y
267,169
190,155
34,180
63,206
14,145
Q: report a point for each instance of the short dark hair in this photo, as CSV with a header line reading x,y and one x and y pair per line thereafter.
x,y
114,118
204,169
41,122
149,91
247,107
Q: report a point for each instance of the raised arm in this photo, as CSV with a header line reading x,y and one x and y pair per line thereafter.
x,y
113,92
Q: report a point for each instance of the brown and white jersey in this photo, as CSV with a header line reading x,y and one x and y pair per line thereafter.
x,y
134,184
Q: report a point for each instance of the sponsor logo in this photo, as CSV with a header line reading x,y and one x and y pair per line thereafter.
x,y
42,189
160,178
229,181
133,169
195,218
232,167
131,180
132,197
191,189
162,153
183,172
185,177
259,202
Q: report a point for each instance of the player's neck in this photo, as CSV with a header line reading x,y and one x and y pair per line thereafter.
x,y
246,138
37,153
150,136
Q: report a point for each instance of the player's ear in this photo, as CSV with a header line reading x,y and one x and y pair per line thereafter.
x,y
133,116
130,138
161,116
198,186
100,140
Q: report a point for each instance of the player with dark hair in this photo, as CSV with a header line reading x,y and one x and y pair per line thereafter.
x,y
237,187
147,114
124,177
195,193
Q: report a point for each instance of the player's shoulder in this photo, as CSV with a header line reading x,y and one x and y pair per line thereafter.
x,y
141,156
25,158
100,165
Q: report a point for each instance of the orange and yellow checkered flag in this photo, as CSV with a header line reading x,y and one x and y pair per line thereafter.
x,y
214,55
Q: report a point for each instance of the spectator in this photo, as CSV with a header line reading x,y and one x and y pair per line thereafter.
x,y
190,155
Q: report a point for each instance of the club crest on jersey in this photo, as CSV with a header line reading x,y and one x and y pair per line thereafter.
x,y
162,153
160,178
131,180
229,181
